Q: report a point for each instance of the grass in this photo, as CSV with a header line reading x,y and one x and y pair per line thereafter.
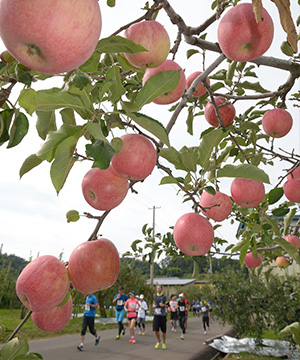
x,y
245,356
11,319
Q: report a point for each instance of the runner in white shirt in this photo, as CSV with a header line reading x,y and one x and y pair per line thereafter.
x,y
173,312
142,315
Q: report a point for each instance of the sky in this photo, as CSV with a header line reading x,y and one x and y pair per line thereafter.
x,y
32,216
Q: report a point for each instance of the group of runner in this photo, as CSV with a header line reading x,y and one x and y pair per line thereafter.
x,y
135,307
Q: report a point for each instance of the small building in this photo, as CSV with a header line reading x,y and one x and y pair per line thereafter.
x,y
171,284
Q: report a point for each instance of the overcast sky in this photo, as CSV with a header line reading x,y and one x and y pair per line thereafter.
x,y
32,216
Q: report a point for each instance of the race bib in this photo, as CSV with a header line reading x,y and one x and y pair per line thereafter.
x,y
181,308
158,311
132,306
119,302
203,309
87,307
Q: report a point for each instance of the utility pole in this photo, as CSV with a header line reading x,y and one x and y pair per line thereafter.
x,y
152,262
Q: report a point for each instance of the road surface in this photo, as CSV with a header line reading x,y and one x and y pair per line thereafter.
x,y
64,347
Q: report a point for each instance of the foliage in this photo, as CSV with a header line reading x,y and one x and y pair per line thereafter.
x,y
252,305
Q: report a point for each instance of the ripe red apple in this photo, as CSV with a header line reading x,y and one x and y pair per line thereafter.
x,y
43,284
55,319
247,193
50,36
251,261
240,37
220,205
277,122
291,190
193,234
153,37
226,112
282,262
137,157
94,266
295,174
293,239
200,89
104,189
172,95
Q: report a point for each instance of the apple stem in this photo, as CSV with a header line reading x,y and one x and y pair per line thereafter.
x,y
19,327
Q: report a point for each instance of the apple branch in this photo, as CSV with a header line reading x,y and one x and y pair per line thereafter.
x,y
19,327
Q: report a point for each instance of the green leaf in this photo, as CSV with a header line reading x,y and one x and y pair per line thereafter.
x,y
168,180
288,220
174,157
240,245
151,125
189,157
156,85
191,52
18,129
275,195
72,216
244,171
91,65
95,130
23,75
28,101
253,86
53,99
31,162
281,211
45,123
14,348
118,44
111,3
5,121
29,356
116,88
289,248
208,142
286,49
134,245
101,152
65,300
48,149
190,120
63,162
67,116
116,143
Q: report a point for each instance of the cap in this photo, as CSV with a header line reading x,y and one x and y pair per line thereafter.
x,y
181,295
121,288
131,292
141,296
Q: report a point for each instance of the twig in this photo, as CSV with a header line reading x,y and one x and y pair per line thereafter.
x,y
19,327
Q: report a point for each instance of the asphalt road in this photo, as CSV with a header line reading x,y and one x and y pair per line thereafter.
x,y
64,347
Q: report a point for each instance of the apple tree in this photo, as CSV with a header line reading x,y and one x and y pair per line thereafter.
x,y
93,104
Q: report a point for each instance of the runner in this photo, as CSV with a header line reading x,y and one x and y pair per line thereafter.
x,y
160,317
187,303
205,315
181,307
91,304
141,318
120,300
173,312
197,303
131,306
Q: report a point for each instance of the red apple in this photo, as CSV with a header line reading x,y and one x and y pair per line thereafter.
x,y
291,190
295,174
219,205
251,261
282,262
94,266
172,95
50,36
104,189
247,193
55,319
240,37
137,157
193,234
293,239
226,112
277,122
153,37
200,89
43,284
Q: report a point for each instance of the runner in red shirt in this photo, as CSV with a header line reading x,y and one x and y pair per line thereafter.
x,y
131,306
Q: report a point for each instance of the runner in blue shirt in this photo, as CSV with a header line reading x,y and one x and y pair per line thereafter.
x,y
120,300
91,304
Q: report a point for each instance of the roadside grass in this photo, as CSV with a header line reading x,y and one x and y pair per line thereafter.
x,y
11,319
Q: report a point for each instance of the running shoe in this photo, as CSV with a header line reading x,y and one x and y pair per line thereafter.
x,y
157,345
164,346
124,329
97,340
117,337
182,337
140,332
80,347
173,329
204,332
133,341
130,340
144,332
